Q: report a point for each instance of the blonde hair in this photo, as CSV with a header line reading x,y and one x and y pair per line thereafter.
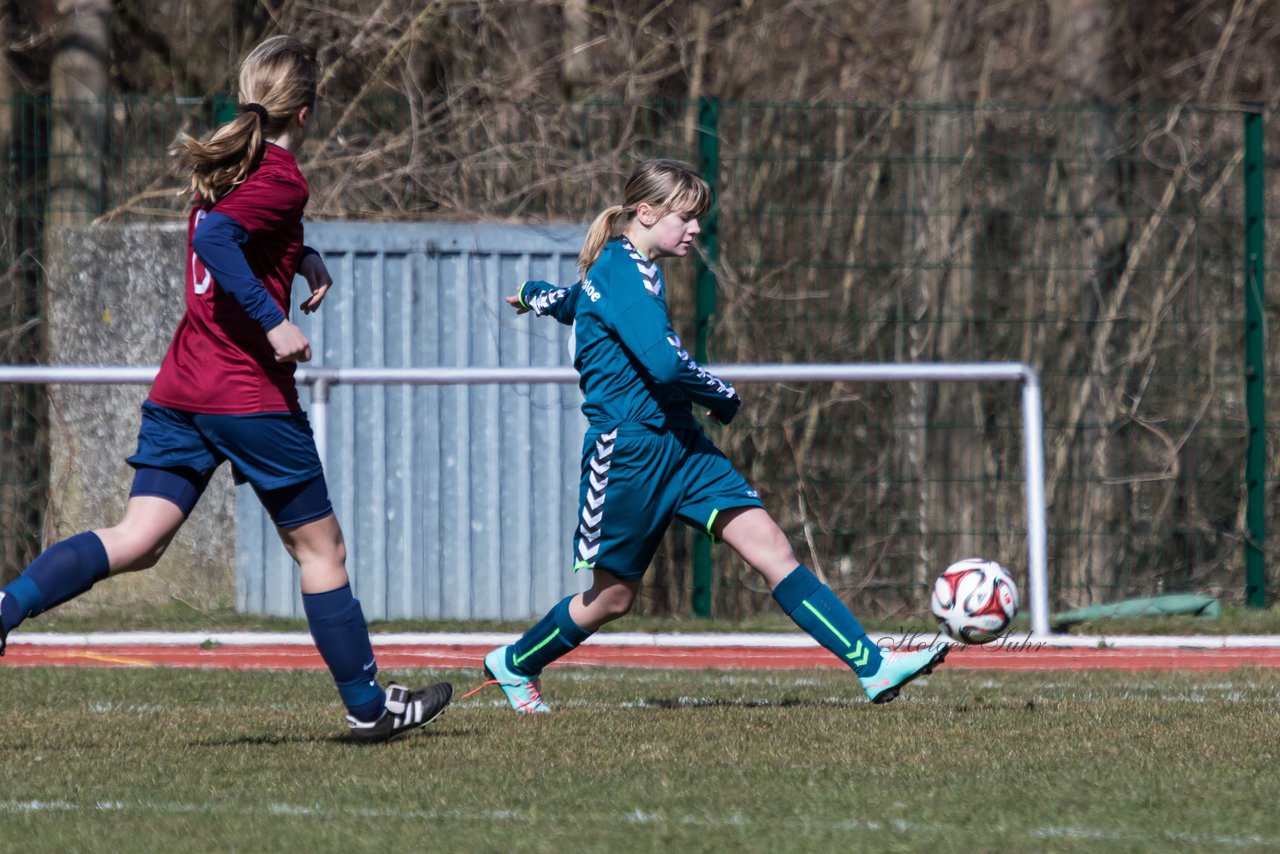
x,y
666,185
277,80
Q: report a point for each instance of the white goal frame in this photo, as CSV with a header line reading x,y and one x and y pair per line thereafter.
x,y
320,380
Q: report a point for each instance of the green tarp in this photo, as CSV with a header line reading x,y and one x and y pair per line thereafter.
x,y
1184,604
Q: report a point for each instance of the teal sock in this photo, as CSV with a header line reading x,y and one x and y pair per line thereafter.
x,y
556,634
816,609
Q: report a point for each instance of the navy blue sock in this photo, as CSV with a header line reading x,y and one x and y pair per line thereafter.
x,y
342,637
816,609
556,634
63,571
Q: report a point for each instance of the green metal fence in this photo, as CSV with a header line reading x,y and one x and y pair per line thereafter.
x,y
1119,250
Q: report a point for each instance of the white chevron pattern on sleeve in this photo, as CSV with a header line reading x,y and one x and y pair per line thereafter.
x,y
717,385
543,302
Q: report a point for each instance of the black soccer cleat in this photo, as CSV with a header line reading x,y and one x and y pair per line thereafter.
x,y
406,710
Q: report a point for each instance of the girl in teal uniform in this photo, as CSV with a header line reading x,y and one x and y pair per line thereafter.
x,y
646,462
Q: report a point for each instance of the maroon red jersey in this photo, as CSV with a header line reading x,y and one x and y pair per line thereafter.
x,y
219,361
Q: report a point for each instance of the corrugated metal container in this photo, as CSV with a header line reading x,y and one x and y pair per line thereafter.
x,y
455,501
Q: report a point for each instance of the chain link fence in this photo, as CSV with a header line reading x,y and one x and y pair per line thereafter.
x,y
1105,246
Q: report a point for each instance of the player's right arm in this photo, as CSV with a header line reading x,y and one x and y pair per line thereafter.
x,y
547,300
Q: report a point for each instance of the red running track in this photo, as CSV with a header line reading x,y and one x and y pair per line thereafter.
x,y
292,657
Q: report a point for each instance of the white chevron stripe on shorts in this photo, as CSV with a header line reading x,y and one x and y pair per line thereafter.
x,y
593,507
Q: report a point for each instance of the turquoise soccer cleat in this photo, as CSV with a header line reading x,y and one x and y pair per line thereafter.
x,y
899,668
523,692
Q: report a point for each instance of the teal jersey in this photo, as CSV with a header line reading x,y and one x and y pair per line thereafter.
x,y
632,366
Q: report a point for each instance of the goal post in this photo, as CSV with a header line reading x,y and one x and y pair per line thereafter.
x,y
322,379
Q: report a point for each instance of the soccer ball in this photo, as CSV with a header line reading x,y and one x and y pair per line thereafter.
x,y
974,600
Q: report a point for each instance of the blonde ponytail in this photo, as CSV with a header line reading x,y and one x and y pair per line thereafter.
x,y
224,159
604,229
277,80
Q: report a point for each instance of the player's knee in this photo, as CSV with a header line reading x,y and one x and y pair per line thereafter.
x,y
130,551
149,557
768,545
316,547
780,546
329,562
326,550
616,601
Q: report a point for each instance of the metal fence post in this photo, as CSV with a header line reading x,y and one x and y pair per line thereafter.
x,y
1255,570
709,166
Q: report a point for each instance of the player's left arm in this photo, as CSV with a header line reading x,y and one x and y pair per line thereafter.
x,y
218,241
643,327
265,203
312,268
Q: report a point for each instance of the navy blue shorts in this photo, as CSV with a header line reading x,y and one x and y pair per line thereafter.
x,y
635,481
273,452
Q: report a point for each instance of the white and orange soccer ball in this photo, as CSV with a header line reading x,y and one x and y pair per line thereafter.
x,y
974,600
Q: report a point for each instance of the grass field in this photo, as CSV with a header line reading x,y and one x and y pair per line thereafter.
x,y
192,760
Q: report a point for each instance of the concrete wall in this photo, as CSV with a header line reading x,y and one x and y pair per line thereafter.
x,y
115,294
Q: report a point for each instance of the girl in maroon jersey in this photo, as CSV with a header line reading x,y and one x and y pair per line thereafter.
x,y
226,392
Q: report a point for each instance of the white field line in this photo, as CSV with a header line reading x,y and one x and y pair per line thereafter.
x,y
779,640
734,820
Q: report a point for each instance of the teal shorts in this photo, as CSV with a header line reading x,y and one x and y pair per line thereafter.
x,y
635,480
